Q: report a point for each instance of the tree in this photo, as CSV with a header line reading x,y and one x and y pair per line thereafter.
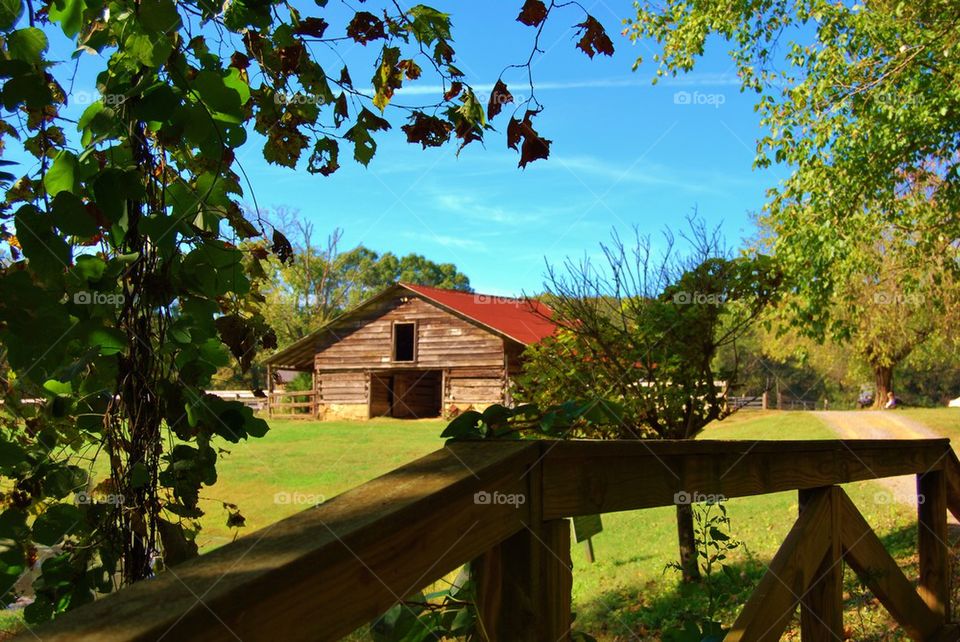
x,y
859,102
129,287
643,332
321,282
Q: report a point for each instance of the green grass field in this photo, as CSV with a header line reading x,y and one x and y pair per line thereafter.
x,y
625,594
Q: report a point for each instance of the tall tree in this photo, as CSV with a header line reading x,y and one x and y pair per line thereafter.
x,y
859,101
128,288
643,332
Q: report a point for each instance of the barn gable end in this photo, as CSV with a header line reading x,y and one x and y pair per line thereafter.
x,y
414,352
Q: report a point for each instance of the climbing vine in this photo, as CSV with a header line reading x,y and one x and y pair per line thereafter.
x,y
133,273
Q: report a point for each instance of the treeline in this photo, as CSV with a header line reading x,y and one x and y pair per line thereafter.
x,y
321,280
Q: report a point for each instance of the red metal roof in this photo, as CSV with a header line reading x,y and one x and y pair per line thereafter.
x,y
524,320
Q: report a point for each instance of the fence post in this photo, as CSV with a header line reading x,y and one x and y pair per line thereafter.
x,y
269,391
524,585
821,609
934,585
765,404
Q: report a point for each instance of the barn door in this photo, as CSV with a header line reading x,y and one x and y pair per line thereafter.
x,y
399,388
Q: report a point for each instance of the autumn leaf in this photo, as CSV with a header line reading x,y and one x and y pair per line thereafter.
x,y
499,97
313,27
389,77
429,131
410,69
365,27
237,335
340,112
239,60
532,13
594,38
532,145
323,160
282,247
455,88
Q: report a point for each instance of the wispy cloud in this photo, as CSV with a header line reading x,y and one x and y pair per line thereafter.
x,y
647,174
464,242
687,80
471,207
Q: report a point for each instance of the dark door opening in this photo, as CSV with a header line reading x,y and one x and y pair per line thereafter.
x,y
406,395
404,341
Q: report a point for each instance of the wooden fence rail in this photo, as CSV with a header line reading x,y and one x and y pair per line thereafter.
x,y
279,409
322,573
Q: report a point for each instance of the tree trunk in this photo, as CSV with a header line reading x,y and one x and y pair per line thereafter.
x,y
883,376
688,549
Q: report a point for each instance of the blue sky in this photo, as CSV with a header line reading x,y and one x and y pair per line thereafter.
x,y
624,153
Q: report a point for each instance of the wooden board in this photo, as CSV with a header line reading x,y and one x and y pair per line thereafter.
x,y
589,477
325,571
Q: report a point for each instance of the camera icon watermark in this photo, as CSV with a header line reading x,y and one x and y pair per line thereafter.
x,y
684,498
83,497
897,298
884,497
699,298
97,298
298,98
699,98
496,498
298,499
81,97
490,299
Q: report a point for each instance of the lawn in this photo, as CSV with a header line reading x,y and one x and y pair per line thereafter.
x,y
626,593
945,421
299,463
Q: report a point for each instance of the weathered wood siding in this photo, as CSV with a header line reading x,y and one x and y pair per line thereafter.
x,y
474,386
443,340
342,388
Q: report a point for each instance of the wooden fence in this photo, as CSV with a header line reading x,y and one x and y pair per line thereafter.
x,y
324,572
284,404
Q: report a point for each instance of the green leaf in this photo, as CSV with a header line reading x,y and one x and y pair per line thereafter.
x,y
48,253
70,215
224,96
27,45
63,175
496,414
158,16
56,522
110,340
11,454
58,388
13,525
718,535
63,481
149,50
39,611
10,11
465,426
139,476
428,24
69,13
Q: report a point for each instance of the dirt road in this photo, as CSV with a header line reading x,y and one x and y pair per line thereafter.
x,y
882,424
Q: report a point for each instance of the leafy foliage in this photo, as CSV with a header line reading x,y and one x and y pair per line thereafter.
x,y
136,274
713,545
643,332
859,102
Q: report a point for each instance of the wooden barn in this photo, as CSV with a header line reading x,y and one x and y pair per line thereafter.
x,y
412,351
